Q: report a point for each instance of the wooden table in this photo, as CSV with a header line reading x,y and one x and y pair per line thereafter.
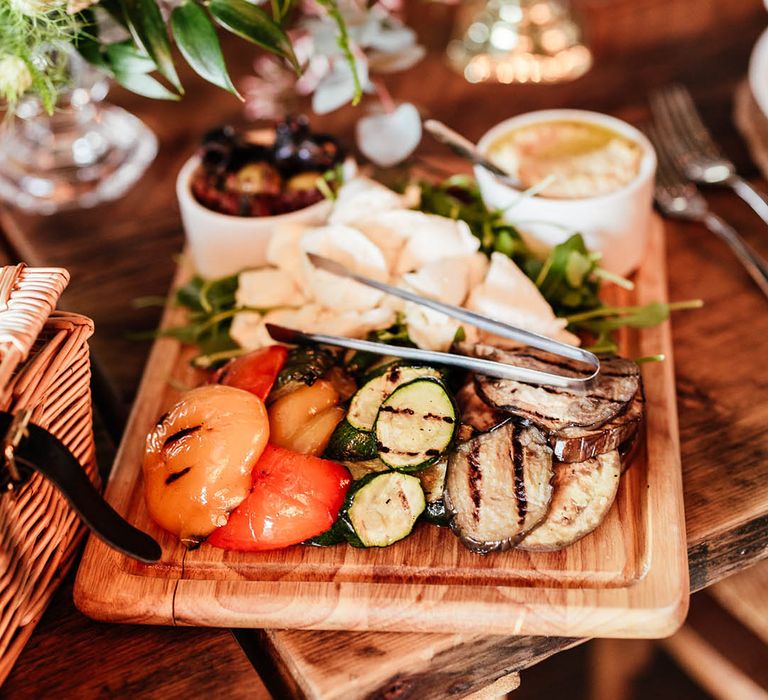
x,y
125,250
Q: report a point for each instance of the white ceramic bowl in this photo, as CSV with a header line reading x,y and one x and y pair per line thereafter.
x,y
758,72
616,224
221,244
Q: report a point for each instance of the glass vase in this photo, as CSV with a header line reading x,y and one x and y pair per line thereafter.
x,y
87,152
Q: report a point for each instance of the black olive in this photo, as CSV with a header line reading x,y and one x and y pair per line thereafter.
x,y
320,152
248,153
288,136
220,135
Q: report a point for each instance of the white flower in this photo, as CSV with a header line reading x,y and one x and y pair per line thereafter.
x,y
388,138
15,77
378,41
337,87
33,8
384,62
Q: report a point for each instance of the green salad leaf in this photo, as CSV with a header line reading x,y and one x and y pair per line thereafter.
x,y
569,277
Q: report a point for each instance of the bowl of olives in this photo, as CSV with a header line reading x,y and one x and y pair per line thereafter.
x,y
241,185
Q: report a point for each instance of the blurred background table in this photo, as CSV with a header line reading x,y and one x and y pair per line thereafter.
x,y
126,249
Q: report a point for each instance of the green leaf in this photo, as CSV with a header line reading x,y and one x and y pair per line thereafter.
x,y
148,31
125,58
280,9
208,296
196,38
253,24
332,8
145,85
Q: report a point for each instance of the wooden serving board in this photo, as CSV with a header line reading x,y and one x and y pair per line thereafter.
x,y
628,578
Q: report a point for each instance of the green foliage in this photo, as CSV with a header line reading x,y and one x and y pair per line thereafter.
x,y
360,361
569,278
196,38
253,24
211,307
458,197
150,34
27,37
30,38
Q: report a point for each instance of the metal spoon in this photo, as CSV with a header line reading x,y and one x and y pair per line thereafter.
x,y
463,147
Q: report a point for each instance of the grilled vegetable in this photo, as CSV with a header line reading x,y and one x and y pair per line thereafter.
x,y
303,366
255,372
415,424
304,420
580,444
475,413
350,444
199,457
555,408
332,536
497,488
362,468
382,508
293,497
583,495
366,402
433,483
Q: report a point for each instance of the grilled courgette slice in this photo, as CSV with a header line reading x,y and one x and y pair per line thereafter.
x,y
348,444
382,509
416,424
366,402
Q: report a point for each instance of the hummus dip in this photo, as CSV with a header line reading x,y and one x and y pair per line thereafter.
x,y
585,159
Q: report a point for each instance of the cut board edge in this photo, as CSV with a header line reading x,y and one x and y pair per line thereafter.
x,y
654,607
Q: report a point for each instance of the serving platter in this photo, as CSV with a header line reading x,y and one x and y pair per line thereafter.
x,y
629,578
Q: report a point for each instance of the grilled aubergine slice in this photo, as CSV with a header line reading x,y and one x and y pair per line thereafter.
x,y
498,486
583,494
553,408
477,415
579,444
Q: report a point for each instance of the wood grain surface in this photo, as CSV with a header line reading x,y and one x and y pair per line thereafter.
x,y
125,250
428,582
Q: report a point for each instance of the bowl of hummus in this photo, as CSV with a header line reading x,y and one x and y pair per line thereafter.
x,y
592,174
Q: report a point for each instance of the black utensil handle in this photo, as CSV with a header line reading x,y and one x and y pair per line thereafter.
x,y
45,453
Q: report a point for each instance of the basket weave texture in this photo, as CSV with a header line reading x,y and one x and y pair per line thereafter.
x,y
44,366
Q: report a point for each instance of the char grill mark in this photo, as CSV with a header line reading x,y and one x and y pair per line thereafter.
x,y
389,450
397,411
434,416
474,476
517,459
171,440
176,475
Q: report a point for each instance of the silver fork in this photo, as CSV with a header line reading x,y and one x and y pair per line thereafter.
x,y
694,149
677,197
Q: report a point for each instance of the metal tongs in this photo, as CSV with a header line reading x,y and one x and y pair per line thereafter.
x,y
474,364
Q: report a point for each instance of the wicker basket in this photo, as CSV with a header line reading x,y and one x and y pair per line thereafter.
x,y
44,367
